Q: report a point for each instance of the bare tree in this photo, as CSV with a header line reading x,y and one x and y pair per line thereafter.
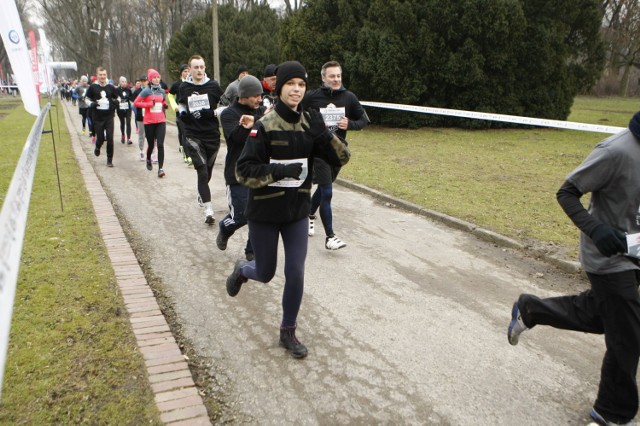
x,y
621,32
293,5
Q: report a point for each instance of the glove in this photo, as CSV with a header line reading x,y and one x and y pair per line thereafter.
x,y
182,113
316,128
292,170
609,240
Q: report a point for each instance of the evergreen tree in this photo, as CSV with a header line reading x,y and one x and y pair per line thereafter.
x,y
246,37
522,57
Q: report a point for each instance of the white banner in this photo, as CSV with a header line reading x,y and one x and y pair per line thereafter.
x,y
13,220
499,117
48,73
16,47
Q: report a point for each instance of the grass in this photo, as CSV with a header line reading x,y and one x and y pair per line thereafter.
x,y
503,180
72,355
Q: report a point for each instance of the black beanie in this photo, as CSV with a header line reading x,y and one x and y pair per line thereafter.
x,y
183,67
288,70
634,125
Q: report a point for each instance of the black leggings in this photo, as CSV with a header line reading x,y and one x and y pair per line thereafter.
x,y
264,238
155,133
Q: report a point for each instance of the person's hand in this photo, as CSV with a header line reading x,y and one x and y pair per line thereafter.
x,y
247,121
316,127
609,240
291,170
343,124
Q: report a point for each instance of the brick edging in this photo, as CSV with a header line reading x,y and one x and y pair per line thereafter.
x,y
176,395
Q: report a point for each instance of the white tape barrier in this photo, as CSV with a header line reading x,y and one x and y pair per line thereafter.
x,y
13,219
499,117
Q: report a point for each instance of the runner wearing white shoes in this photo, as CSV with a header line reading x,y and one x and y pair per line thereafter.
x,y
341,111
198,97
153,100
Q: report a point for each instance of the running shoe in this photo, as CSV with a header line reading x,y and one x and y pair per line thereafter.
x,y
334,243
312,229
129,142
235,279
189,161
122,139
208,216
141,155
109,163
84,132
604,422
149,166
96,152
160,173
199,201
516,326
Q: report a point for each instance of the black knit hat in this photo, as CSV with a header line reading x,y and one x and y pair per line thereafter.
x,y
183,67
241,69
288,70
270,70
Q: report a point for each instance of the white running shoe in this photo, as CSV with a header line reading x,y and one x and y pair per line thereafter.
x,y
208,216
142,156
312,229
516,326
334,243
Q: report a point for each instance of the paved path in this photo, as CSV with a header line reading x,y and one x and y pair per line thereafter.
x,y
406,325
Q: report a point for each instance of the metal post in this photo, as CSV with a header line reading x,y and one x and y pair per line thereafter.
x,y
216,51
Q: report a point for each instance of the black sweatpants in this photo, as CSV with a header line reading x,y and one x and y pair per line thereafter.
x,y
155,134
102,125
611,307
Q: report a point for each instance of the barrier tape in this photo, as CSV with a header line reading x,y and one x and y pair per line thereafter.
x,y
499,117
13,220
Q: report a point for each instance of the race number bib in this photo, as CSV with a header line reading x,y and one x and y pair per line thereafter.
x,y
291,182
198,102
157,107
103,104
124,105
332,115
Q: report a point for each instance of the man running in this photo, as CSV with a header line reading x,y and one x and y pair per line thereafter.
x,y
104,99
198,97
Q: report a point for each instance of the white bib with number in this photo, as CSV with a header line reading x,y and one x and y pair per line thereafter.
x,y
332,114
157,107
197,102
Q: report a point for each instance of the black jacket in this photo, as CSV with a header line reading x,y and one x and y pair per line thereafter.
x,y
202,124
279,135
235,136
323,96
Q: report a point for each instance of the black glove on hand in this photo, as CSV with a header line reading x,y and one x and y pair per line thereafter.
x,y
292,170
316,128
609,240
182,113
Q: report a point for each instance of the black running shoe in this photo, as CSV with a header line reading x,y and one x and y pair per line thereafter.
x,y
235,280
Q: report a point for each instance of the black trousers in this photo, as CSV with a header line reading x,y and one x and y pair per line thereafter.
x,y
101,126
610,307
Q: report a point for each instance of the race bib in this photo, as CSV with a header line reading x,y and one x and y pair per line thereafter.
x,y
198,102
124,105
103,104
291,182
157,107
332,115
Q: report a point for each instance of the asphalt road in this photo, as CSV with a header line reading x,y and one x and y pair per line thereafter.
x,y
406,325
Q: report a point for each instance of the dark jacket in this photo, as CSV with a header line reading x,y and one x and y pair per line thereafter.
x,y
97,95
124,106
323,96
235,136
134,95
201,124
279,135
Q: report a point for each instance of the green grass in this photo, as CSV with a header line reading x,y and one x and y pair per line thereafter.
x,y
503,180
72,355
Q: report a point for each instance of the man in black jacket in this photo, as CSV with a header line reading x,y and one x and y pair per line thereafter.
x,y
341,111
198,98
237,121
103,100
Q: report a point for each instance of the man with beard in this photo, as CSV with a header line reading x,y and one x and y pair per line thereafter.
x,y
198,97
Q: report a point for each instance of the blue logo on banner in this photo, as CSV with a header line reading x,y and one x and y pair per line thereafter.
x,y
14,37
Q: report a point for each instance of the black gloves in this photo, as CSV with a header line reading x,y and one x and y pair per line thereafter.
x,y
182,113
609,240
316,128
292,170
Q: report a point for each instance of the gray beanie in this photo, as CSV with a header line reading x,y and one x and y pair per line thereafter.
x,y
249,86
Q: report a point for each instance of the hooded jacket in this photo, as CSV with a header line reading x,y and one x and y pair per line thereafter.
x,y
276,138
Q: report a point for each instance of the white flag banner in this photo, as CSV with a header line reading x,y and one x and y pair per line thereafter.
x,y
46,49
19,57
